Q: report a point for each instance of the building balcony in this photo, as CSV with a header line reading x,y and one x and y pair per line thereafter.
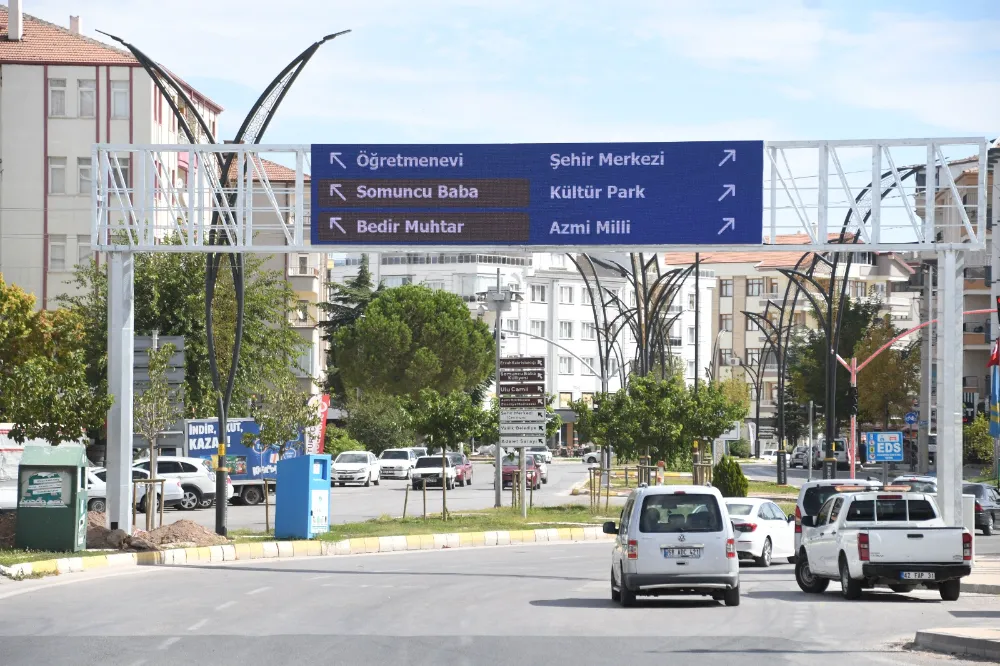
x,y
976,333
977,279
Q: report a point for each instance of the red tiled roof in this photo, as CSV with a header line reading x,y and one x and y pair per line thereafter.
x,y
275,172
44,42
763,260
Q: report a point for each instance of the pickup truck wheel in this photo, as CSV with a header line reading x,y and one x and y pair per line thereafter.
x,y
625,596
950,589
850,588
251,495
765,554
732,596
988,528
806,580
616,594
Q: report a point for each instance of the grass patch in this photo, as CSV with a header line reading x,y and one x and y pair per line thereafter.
x,y
772,488
488,520
10,556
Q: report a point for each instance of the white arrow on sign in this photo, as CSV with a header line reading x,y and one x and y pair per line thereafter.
x,y
730,223
523,415
730,155
522,428
335,189
335,222
517,442
335,157
730,189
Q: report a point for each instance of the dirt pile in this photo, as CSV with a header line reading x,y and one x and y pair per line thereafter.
x,y
99,536
184,532
8,527
97,531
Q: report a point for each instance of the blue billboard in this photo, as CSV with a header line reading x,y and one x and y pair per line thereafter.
x,y
245,462
693,193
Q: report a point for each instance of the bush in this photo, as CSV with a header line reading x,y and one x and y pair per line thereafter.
x,y
337,441
740,448
729,479
977,444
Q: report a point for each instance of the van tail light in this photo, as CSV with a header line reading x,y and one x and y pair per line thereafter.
x,y
966,546
746,527
863,550
979,507
798,520
633,549
730,548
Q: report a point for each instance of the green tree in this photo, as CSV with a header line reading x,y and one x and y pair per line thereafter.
x,y
447,421
728,477
337,440
656,405
737,393
282,411
977,444
888,383
608,422
796,414
379,421
413,338
156,407
347,304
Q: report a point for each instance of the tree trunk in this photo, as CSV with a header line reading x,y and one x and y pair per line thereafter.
x,y
444,483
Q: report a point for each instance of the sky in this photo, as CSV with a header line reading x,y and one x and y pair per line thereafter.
x,y
444,71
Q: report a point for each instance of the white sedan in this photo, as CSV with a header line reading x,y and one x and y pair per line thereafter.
x,y
356,467
762,530
97,494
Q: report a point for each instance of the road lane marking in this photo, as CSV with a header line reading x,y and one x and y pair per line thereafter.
x,y
198,625
319,577
167,643
225,605
258,590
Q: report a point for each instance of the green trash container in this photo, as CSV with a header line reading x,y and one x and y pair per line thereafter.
x,y
52,498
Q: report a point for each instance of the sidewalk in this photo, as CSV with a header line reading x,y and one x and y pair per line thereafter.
x,y
985,578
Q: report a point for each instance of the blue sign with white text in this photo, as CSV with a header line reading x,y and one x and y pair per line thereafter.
x,y
692,193
885,446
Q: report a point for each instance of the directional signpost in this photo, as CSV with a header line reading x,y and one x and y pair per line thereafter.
x,y
538,194
521,390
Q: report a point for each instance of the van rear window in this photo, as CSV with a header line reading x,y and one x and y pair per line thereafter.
x,y
680,513
864,511
815,497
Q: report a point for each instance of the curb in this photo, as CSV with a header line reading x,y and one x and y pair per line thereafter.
x,y
980,588
960,642
290,549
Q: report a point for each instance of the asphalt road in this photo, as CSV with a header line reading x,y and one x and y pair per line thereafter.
x,y
355,503
529,604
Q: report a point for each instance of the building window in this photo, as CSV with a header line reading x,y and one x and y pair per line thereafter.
x,y
57,252
57,175
302,311
692,301
726,322
303,261
124,165
631,298
613,365
753,357
858,289
566,295
799,318
119,100
690,368
725,288
87,91
558,260
725,356
565,365
565,330
304,364
538,327
57,98
752,324
585,296
691,335
588,399
537,293
772,286
84,174
83,253
755,286
512,325
565,399
589,365
588,331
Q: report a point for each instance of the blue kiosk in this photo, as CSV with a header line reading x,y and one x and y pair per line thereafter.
x,y
303,497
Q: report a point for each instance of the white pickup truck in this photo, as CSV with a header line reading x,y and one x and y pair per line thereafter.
x,y
885,537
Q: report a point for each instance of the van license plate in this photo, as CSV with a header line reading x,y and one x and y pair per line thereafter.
x,y
917,575
682,552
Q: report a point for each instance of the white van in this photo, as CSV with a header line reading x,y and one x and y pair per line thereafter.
x,y
674,540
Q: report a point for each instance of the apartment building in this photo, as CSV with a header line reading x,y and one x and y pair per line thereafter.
x,y
746,282
61,92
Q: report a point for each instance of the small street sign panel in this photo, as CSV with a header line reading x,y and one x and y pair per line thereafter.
x,y
521,389
522,428
523,416
521,375
885,446
521,402
518,442
533,362
910,418
695,192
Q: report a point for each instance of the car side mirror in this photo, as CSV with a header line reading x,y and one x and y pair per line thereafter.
x,y
610,527
791,518
808,521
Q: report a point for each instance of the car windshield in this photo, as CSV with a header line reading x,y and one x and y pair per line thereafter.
x,y
918,486
680,513
739,509
351,458
973,489
430,461
455,458
539,449
395,455
815,497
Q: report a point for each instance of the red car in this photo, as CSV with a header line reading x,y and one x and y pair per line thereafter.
x,y
532,478
463,468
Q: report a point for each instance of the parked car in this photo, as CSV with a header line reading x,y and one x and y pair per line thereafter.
x,y
864,539
987,505
541,451
917,483
532,475
769,455
195,474
427,472
419,451
360,467
674,540
463,468
763,531
814,493
97,492
800,457
594,457
396,463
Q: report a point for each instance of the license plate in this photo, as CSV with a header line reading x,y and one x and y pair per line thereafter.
x,y
917,575
682,552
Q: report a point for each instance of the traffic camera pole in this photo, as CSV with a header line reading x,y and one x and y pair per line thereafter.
x,y
497,457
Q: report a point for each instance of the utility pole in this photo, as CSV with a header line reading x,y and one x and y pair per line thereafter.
x,y
926,363
809,454
697,318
